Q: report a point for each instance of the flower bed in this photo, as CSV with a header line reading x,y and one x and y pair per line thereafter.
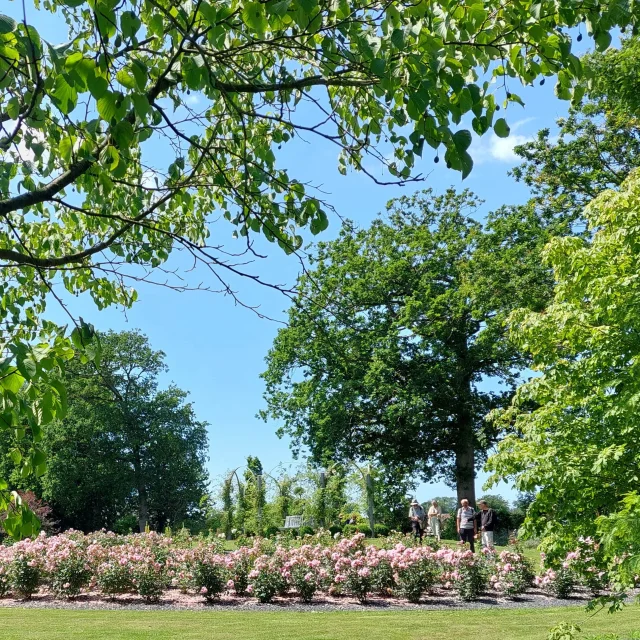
x,y
148,565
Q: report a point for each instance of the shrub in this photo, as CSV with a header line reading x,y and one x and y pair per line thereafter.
x,y
463,571
70,576
564,631
381,530
265,582
241,563
305,581
417,576
149,580
210,576
27,564
349,529
67,566
306,531
335,528
559,583
382,580
363,528
25,576
126,524
114,578
512,574
271,532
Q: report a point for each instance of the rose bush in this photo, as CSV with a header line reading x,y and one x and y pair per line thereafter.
x,y
148,564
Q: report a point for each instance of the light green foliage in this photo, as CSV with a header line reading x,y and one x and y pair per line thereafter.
x,y
395,326
575,436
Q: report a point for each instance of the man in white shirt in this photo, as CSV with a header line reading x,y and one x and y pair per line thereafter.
x,y
466,524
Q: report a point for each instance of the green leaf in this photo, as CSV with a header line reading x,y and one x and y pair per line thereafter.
x,y
140,73
27,367
73,3
123,134
11,380
603,40
13,108
253,16
467,164
107,106
278,8
72,60
65,147
129,24
126,79
501,128
378,67
141,105
462,140
97,86
110,158
397,37
64,95
208,13
7,24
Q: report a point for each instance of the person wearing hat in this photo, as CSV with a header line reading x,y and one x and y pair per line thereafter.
x,y
416,515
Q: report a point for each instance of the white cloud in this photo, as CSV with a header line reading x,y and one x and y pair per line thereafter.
x,y
492,148
502,149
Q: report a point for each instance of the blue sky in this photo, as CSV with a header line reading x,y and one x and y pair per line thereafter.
x,y
216,350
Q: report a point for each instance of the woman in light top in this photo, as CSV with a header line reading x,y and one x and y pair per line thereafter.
x,y
434,518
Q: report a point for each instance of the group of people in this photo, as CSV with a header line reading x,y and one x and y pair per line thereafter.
x,y
470,524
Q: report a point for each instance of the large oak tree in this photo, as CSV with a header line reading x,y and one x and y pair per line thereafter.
x,y
396,330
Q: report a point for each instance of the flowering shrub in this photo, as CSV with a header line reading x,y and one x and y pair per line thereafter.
x,y
512,575
26,568
266,580
113,577
415,571
210,576
148,564
559,583
464,571
588,565
67,566
240,564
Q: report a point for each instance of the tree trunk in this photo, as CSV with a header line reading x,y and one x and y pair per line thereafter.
x,y
143,506
465,467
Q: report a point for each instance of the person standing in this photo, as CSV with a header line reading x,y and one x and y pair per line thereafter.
x,y
416,515
488,521
466,524
434,514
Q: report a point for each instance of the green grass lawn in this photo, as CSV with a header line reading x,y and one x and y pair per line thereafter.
x,y
495,624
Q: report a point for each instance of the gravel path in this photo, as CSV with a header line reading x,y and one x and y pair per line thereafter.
x,y
175,601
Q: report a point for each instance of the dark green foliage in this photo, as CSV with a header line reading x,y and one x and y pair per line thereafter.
x,y
395,327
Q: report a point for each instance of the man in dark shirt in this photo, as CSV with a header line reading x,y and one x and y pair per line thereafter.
x,y
487,523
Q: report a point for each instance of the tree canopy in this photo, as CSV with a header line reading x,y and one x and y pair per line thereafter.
x,y
394,330
126,447
575,441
